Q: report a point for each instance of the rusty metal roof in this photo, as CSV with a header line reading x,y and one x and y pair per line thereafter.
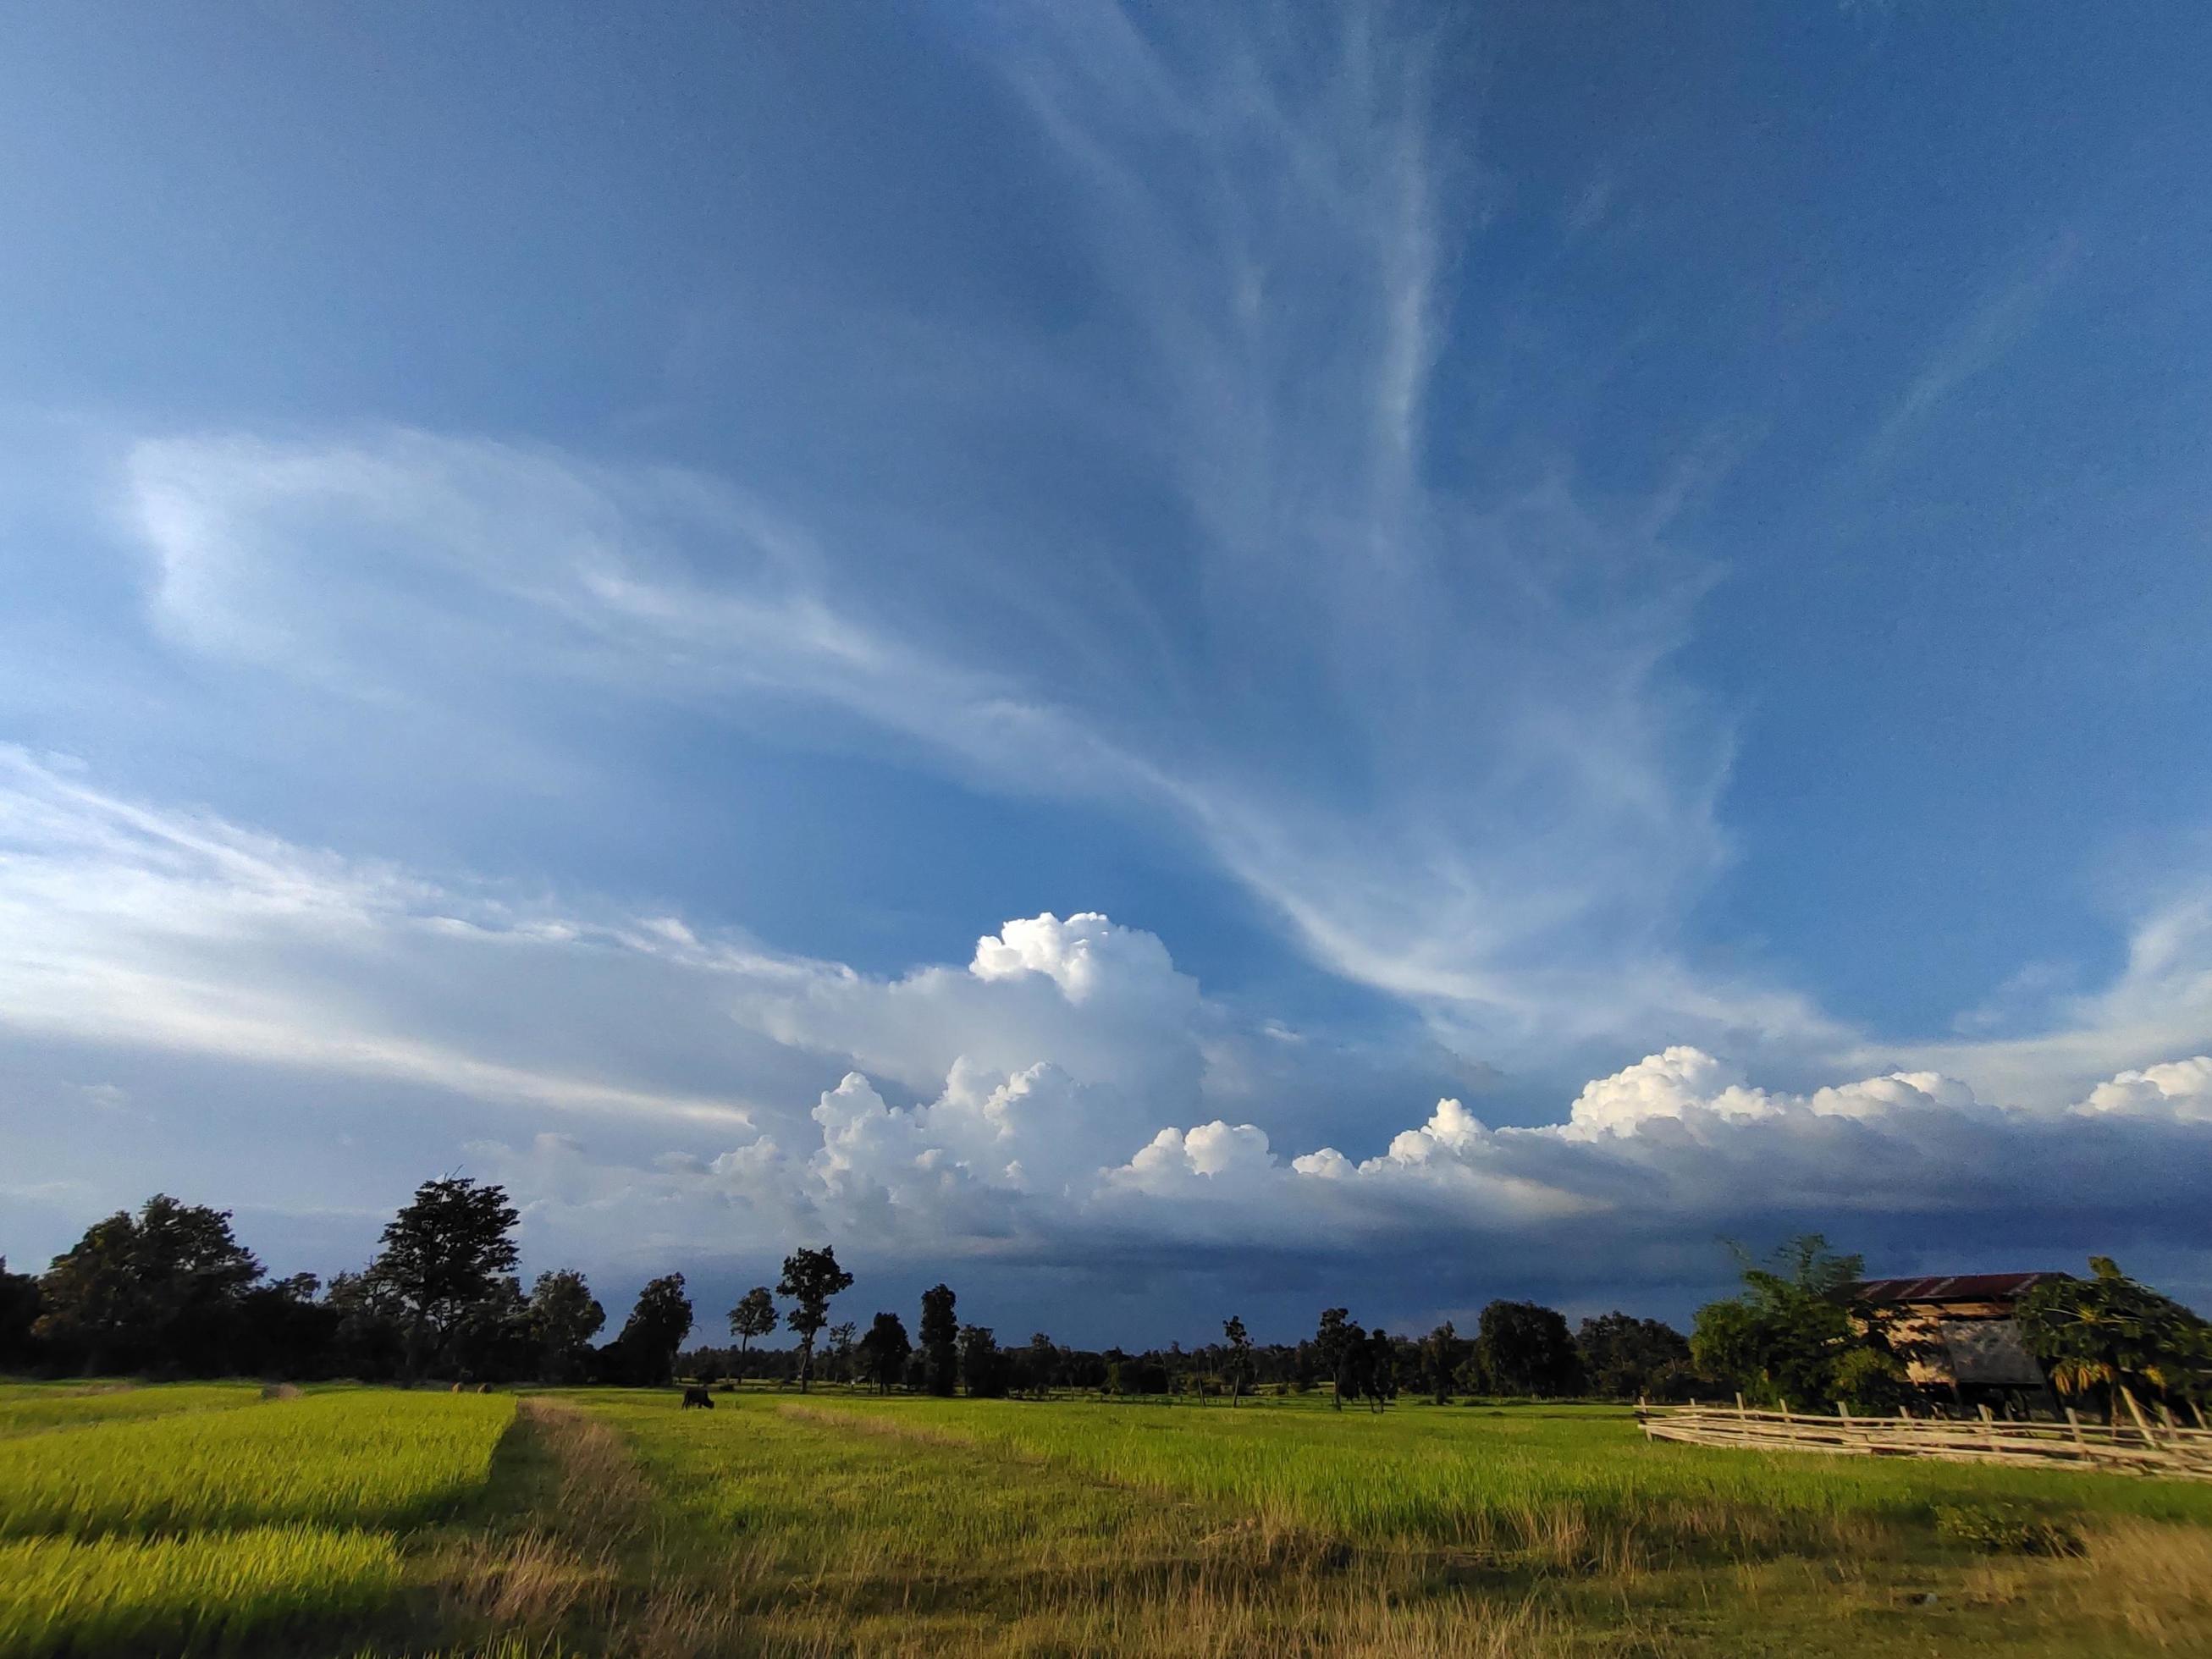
x,y
1954,1288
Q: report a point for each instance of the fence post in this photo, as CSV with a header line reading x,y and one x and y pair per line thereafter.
x,y
2136,1411
2074,1422
1990,1424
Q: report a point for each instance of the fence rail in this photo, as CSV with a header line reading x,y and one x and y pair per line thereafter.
x,y
2170,1447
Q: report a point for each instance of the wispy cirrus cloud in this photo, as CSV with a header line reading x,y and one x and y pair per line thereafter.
x,y
2158,1005
471,576
132,926
1980,342
1436,730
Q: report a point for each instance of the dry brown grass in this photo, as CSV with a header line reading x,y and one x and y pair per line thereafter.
x,y
526,1581
2150,1581
602,1501
1231,1620
593,1567
2154,1579
564,1565
1220,1609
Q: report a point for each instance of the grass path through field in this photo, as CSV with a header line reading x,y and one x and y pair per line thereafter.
x,y
820,1539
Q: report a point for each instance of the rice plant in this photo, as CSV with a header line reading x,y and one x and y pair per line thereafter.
x,y
207,1592
1482,1478
355,1458
30,1410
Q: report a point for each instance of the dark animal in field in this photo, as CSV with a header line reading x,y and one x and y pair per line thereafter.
x,y
698,1397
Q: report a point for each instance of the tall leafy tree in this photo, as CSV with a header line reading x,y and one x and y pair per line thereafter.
x,y
91,1294
285,1329
492,1339
1041,1364
1338,1343
655,1327
564,1317
884,1351
156,1285
188,1256
448,1248
754,1315
940,1339
811,1277
982,1365
1789,1334
371,1335
1442,1352
1377,1369
1730,1342
2109,1332
20,1306
1240,1356
840,1351
1526,1349
1625,1358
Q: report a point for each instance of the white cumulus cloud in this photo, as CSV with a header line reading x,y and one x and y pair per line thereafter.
x,y
1059,1092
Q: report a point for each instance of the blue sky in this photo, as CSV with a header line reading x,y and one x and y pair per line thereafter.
x,y
1644,577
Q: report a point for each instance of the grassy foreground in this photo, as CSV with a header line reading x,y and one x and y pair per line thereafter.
x,y
204,1520
380,1523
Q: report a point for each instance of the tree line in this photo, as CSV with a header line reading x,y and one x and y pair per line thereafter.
x,y
170,1290
1792,1333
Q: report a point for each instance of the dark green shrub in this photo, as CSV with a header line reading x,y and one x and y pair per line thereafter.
x,y
2005,1529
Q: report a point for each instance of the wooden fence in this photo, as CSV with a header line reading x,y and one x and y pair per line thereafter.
x,y
2168,1447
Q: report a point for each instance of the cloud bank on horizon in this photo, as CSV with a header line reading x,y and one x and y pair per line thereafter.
x,y
1067,1093
1463,576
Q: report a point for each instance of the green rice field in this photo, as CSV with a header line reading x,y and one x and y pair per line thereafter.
x,y
366,1522
25,1406
196,1518
381,1459
1469,1476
